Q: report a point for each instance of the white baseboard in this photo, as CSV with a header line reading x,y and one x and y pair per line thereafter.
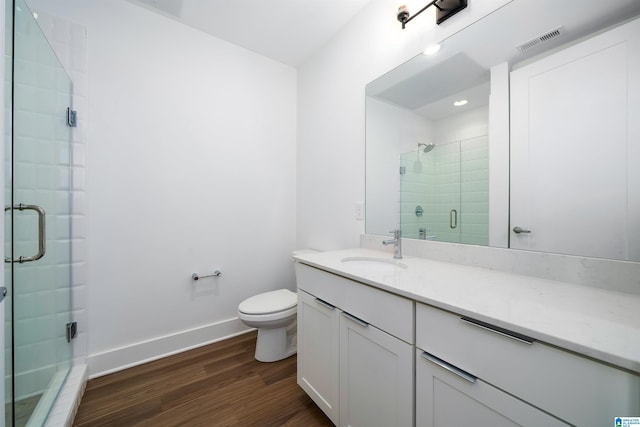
x,y
136,354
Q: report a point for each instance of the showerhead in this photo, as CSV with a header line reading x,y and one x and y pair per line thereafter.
x,y
427,147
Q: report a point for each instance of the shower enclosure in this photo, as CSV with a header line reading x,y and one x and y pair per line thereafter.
x,y
37,219
444,191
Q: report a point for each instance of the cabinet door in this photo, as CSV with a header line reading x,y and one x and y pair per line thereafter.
x,y
446,396
376,377
318,340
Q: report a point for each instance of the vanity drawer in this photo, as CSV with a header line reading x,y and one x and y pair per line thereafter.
x,y
319,283
571,387
391,313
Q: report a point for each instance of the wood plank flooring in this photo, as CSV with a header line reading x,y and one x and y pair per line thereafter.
x,y
217,385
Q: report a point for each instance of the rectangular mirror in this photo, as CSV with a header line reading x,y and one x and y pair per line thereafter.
x,y
568,100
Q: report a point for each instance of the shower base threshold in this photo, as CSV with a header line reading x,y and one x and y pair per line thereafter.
x,y
67,402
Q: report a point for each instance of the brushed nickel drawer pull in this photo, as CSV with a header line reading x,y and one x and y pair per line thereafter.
x,y
326,304
449,367
355,319
498,330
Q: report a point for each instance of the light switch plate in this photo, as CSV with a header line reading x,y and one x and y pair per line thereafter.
x,y
359,210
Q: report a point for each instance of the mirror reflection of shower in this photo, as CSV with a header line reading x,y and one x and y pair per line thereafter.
x,y
427,147
417,165
446,197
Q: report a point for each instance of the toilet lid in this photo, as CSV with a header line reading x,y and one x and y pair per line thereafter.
x,y
269,302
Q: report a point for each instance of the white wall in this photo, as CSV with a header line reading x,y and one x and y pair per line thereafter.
x,y
390,130
331,113
466,125
190,167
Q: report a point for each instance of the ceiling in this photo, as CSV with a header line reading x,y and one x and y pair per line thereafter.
x,y
288,31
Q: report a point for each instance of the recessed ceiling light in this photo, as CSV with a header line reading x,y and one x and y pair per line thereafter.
x,y
460,102
432,49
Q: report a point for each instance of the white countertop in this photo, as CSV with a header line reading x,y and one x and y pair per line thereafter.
x,y
601,324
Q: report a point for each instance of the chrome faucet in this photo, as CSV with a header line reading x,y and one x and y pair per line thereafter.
x,y
396,242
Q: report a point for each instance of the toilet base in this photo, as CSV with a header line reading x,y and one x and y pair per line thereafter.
x,y
276,344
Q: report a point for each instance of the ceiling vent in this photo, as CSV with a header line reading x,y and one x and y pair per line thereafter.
x,y
549,35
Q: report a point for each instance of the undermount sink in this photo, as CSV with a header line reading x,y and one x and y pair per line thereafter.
x,y
374,264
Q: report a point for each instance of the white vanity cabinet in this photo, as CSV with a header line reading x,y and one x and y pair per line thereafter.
x,y
376,376
448,396
355,353
318,352
504,370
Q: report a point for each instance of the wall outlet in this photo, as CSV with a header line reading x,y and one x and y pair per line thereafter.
x,y
359,210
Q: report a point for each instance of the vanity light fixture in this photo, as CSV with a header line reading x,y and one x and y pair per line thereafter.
x,y
432,49
445,10
460,102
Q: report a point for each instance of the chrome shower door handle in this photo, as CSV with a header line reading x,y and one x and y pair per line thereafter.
x,y
42,232
453,218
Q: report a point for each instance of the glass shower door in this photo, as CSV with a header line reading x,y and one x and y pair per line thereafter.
x,y
37,210
430,194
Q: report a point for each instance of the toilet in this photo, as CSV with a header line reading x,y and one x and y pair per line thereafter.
x,y
274,315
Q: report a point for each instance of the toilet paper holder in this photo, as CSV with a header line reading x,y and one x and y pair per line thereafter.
x,y
216,273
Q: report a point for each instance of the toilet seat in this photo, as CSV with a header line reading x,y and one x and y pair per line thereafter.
x,y
274,302
269,317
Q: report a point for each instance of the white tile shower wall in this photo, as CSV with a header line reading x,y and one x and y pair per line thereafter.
x,y
474,190
69,42
36,175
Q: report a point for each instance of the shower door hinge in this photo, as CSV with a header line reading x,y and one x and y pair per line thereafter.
x,y
72,330
72,117
403,170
